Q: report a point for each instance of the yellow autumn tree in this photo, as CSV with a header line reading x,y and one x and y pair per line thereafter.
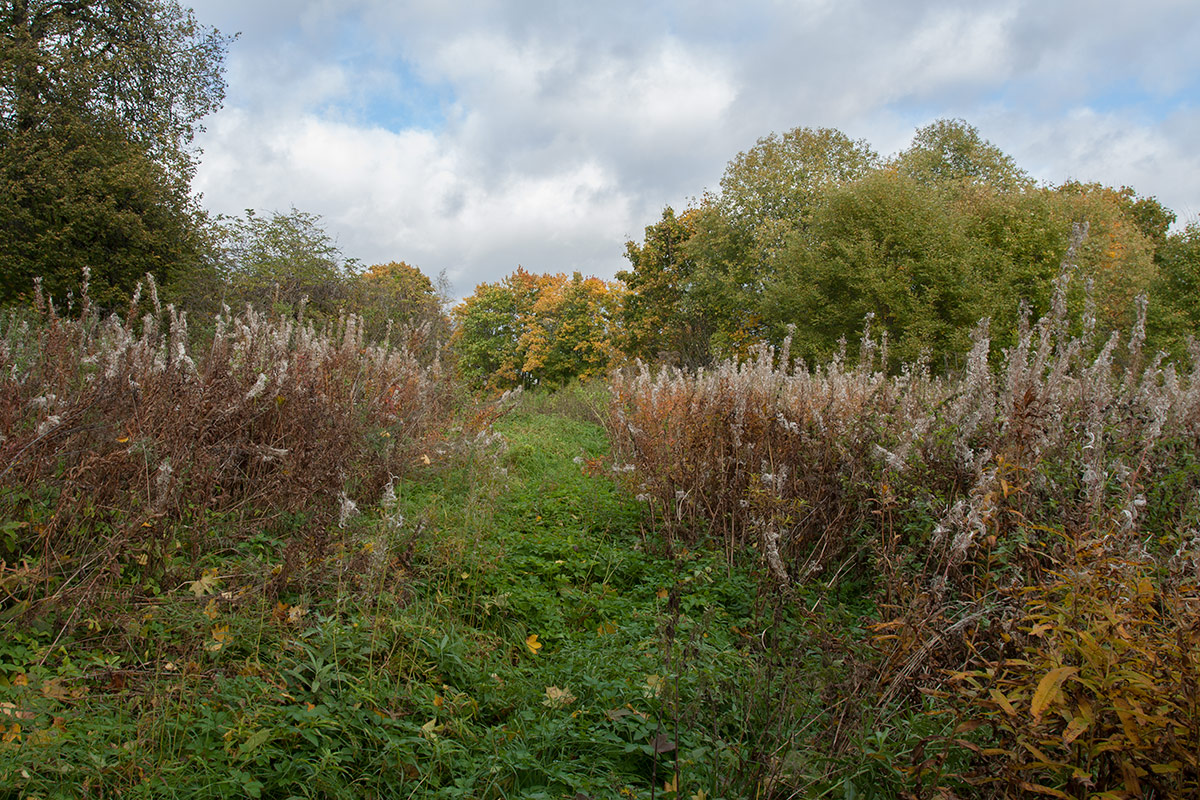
x,y
530,330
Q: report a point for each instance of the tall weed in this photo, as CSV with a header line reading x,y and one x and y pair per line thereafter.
x,y
128,452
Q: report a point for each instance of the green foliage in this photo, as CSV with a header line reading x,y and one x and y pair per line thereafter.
x,y
783,179
883,246
99,101
655,318
811,230
951,155
76,194
1176,295
277,261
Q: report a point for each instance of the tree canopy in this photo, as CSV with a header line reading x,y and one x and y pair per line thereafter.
x,y
99,103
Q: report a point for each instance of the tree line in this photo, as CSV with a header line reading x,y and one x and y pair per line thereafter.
x,y
100,104
811,234
814,236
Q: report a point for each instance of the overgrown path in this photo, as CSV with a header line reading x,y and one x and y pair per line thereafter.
x,y
520,634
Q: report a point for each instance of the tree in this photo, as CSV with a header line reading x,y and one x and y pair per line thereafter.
x,y
145,66
883,246
653,320
76,195
950,154
1175,297
571,330
783,178
281,259
99,103
400,294
530,330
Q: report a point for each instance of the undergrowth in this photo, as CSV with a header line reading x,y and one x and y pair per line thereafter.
x,y
502,623
967,504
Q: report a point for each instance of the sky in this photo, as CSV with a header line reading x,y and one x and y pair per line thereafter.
x,y
468,138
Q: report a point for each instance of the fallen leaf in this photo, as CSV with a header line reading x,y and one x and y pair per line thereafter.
x,y
533,644
558,698
207,582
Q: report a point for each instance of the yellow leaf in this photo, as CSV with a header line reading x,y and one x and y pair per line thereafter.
x,y
605,628
206,583
662,594
21,680
210,610
425,460
654,684
221,636
1041,628
671,786
1074,729
700,795
558,698
122,439
1047,689
533,644
429,729
1002,701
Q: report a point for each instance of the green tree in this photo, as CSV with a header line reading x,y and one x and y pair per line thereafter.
x,y
654,319
146,66
76,195
883,246
952,155
1175,296
278,260
784,178
99,103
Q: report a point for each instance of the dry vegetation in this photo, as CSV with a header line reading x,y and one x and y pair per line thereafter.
x,y
1031,527
131,449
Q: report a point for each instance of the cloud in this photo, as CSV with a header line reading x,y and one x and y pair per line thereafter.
x,y
473,136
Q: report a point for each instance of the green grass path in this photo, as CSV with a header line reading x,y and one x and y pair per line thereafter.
x,y
520,635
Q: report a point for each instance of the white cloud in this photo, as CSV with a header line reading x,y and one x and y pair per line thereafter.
x,y
545,133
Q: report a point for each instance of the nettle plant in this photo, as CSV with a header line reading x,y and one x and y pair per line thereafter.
x,y
130,451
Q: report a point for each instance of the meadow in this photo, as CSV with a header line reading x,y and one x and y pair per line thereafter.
x,y
271,558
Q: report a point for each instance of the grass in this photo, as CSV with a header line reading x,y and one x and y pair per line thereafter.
x,y
522,633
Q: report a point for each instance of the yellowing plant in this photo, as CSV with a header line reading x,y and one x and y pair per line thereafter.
x,y
1102,697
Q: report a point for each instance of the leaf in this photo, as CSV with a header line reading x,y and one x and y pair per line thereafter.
x,y
558,698
661,594
206,584
1046,790
654,685
256,740
605,629
662,744
533,644
1002,701
1076,727
221,636
1047,689
429,729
